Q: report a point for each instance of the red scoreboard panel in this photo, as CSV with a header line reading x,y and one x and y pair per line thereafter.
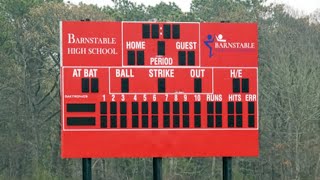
x,y
159,89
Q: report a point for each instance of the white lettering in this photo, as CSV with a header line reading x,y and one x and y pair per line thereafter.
x,y
198,73
90,72
76,73
214,97
72,39
251,97
234,97
135,45
161,73
234,45
186,45
161,61
102,51
235,73
124,73
77,51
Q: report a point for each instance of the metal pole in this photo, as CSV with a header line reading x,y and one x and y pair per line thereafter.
x,y
227,168
86,169
157,168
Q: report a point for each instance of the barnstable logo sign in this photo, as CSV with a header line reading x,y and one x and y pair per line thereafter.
x,y
219,43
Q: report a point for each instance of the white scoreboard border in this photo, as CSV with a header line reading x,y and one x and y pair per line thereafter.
x,y
155,129
61,44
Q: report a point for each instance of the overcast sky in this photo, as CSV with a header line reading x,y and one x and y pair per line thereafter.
x,y
307,6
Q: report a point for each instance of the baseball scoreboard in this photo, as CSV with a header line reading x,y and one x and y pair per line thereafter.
x,y
159,89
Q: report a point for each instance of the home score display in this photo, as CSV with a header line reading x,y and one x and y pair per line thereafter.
x,y
159,89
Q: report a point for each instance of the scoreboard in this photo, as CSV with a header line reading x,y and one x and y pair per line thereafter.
x,y
159,89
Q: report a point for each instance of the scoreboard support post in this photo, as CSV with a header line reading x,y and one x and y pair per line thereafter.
x,y
227,168
157,168
86,169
